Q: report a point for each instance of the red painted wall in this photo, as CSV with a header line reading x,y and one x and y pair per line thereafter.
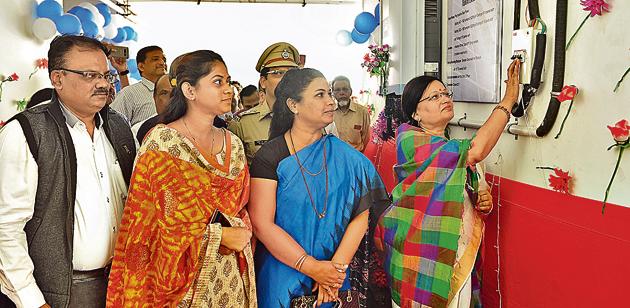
x,y
556,250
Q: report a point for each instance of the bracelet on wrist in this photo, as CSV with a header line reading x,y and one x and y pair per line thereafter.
x,y
300,261
299,268
507,113
123,73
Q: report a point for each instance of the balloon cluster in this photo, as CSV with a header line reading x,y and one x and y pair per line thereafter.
x,y
364,24
93,20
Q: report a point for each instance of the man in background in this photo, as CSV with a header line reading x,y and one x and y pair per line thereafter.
x,y
249,98
136,101
351,119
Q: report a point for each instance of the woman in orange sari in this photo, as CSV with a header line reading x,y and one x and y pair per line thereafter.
x,y
185,234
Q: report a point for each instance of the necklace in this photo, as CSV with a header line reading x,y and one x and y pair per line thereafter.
x,y
195,140
302,169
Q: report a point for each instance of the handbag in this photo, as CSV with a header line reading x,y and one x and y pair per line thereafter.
x,y
347,299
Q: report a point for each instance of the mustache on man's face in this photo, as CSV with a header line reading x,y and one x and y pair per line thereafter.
x,y
101,91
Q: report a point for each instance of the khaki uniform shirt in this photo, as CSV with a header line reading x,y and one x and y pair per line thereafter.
x,y
253,129
353,125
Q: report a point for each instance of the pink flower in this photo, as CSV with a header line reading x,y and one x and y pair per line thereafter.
x,y
620,131
596,7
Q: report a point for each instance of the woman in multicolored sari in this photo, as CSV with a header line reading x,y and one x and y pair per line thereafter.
x,y
314,205
432,232
185,234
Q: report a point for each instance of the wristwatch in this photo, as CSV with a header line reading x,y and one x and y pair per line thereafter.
x,y
123,73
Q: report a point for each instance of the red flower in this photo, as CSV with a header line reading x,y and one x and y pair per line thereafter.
x,y
41,63
13,77
560,181
596,7
567,93
620,131
2,123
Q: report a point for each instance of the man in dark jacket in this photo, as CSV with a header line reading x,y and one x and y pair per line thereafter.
x,y
65,167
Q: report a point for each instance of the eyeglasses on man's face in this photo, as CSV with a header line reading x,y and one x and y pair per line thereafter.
x,y
435,96
91,76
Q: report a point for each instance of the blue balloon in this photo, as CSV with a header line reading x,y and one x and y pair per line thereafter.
x,y
104,10
365,23
136,75
377,13
83,13
68,24
90,29
129,30
121,36
49,9
359,37
132,66
134,36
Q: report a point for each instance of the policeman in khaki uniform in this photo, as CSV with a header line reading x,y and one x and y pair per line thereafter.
x,y
253,127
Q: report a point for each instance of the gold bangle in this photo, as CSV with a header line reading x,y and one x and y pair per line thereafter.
x,y
499,107
300,260
299,267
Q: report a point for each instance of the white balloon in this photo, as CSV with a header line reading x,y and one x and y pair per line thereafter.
x,y
375,38
44,28
118,21
99,20
344,38
101,33
110,31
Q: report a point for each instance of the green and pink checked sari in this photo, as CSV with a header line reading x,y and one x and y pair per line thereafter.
x,y
420,232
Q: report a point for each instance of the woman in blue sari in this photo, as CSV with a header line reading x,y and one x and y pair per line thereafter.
x,y
314,204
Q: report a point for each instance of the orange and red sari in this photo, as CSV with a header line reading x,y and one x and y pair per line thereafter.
x,y
167,250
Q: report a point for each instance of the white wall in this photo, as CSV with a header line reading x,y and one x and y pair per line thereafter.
x,y
18,53
406,27
240,32
596,60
